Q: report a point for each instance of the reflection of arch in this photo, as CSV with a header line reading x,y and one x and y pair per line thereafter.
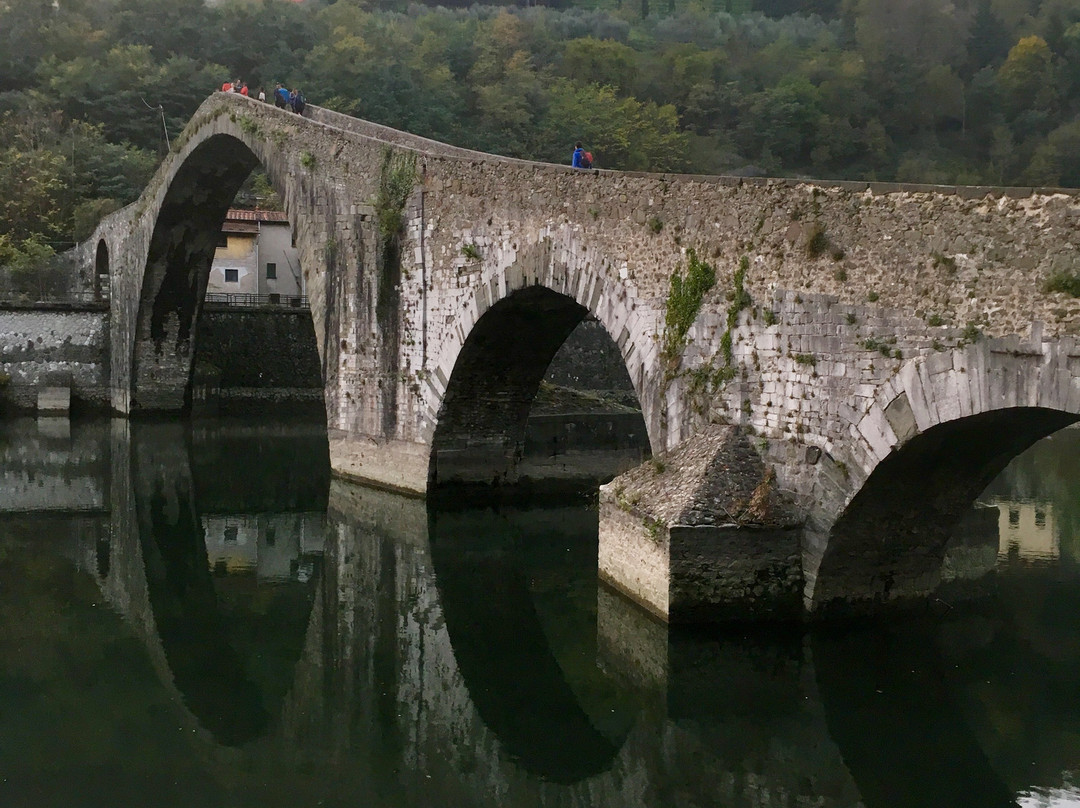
x,y
891,711
203,643
505,352
205,667
101,267
515,683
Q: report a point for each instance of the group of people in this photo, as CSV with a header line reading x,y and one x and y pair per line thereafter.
x,y
284,98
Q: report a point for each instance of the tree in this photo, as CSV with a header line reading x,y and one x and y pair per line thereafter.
x,y
1027,76
1057,160
927,32
601,62
621,133
784,118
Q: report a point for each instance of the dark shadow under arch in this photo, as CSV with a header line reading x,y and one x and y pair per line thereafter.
x,y
180,254
892,711
186,233
101,267
892,535
480,435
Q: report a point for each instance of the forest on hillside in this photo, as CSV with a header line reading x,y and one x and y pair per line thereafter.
x,y
937,91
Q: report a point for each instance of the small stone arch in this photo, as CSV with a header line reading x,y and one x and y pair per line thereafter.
x,y
101,270
934,438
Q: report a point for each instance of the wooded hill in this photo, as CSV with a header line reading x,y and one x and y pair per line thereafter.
x,y
967,91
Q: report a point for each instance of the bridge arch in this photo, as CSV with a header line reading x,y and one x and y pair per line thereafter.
x,y
507,332
917,459
181,249
101,267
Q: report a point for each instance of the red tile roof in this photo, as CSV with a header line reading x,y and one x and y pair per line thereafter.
x,y
242,215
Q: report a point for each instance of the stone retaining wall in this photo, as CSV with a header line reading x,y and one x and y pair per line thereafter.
x,y
54,345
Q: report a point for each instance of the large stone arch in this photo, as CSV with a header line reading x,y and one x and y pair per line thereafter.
x,y
505,335
889,497
159,271
181,249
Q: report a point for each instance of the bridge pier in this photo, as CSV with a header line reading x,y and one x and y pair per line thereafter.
x,y
393,465
702,533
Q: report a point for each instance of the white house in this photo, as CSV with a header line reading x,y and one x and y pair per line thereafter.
x,y
256,256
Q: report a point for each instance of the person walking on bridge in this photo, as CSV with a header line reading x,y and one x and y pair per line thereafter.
x,y
581,158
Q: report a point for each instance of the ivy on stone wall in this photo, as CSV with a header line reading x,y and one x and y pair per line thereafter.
x,y
396,181
683,304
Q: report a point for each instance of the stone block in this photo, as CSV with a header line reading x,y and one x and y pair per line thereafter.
x,y
54,401
900,417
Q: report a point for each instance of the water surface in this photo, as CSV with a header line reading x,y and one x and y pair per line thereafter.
x,y
200,616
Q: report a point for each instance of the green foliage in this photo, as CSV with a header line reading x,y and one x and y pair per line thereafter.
x,y
1065,282
655,224
471,251
872,296
683,303
921,91
654,528
307,159
971,333
816,242
769,316
249,126
935,320
805,359
947,262
396,181
881,346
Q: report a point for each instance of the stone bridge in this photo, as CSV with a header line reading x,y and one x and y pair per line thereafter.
x,y
891,347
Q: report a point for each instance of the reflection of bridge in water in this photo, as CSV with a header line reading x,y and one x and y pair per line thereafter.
x,y
435,667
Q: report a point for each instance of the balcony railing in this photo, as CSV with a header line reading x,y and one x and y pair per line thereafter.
x,y
252,300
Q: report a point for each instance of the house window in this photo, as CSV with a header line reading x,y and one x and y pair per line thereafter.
x,y
232,276
271,271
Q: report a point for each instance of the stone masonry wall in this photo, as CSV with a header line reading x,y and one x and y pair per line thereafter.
x,y
267,358
54,345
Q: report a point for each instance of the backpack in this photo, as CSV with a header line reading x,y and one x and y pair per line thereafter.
x,y
586,160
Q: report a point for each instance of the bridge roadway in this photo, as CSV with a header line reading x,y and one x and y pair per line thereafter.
x,y
882,342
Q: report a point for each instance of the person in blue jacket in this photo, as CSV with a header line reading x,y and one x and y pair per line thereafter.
x,y
578,160
281,96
